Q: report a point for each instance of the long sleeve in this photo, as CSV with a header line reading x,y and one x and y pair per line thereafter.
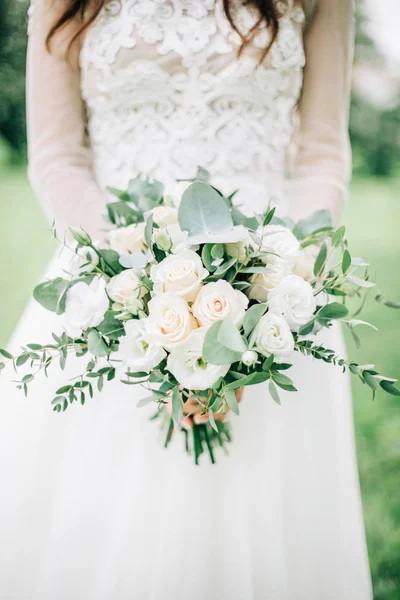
x,y
59,160
322,166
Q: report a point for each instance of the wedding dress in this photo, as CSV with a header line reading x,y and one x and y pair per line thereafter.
x,y
91,505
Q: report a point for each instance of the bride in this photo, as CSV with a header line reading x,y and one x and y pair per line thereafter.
x,y
91,506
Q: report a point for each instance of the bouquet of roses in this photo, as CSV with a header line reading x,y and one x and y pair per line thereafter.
x,y
193,300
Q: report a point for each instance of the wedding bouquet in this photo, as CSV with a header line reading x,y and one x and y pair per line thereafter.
x,y
193,300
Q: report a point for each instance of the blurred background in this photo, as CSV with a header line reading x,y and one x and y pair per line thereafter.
x,y
372,219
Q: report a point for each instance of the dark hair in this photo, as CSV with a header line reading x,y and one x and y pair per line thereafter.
x,y
86,11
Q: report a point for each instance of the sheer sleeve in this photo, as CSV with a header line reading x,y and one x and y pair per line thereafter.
x,y
59,160
322,167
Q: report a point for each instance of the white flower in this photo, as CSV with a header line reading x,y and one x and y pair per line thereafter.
x,y
181,274
162,239
281,241
217,301
170,320
304,266
178,239
294,299
173,194
135,351
124,286
238,249
84,260
165,215
85,306
187,365
263,283
128,240
249,358
272,335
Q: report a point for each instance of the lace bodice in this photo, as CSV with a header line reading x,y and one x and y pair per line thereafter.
x,y
165,91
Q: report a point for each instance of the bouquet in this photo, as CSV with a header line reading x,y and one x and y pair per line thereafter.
x,y
194,300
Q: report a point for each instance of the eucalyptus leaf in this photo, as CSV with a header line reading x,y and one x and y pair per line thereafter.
x,y
110,326
360,282
318,220
274,392
229,336
214,352
321,259
231,399
96,344
52,294
177,406
252,316
335,310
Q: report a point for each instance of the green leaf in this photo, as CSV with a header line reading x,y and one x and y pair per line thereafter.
x,y
207,258
122,214
389,388
229,336
5,353
148,230
267,364
111,260
369,380
22,359
217,251
240,219
145,401
110,326
274,392
222,269
252,317
253,379
52,295
338,236
96,344
318,220
231,399
335,310
205,215
146,193
283,381
320,260
216,353
177,406
346,262
212,421
307,328
268,217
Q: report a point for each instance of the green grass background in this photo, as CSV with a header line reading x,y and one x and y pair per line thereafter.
x,y
373,223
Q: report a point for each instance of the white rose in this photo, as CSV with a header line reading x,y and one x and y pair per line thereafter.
x,y
294,299
128,240
263,283
281,241
170,320
85,306
178,238
165,215
187,365
124,286
173,194
135,351
272,335
304,266
217,301
181,274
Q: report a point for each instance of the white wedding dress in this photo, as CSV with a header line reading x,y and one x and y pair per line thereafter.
x,y
91,505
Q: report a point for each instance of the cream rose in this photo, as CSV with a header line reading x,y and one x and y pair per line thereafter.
x,y
170,321
281,241
304,266
173,194
127,240
181,274
294,299
272,335
124,287
85,306
134,349
239,249
187,365
263,283
217,301
165,215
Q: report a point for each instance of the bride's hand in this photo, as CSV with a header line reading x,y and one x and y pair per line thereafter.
x,y
192,412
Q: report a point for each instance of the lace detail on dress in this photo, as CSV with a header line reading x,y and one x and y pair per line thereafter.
x,y
165,92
